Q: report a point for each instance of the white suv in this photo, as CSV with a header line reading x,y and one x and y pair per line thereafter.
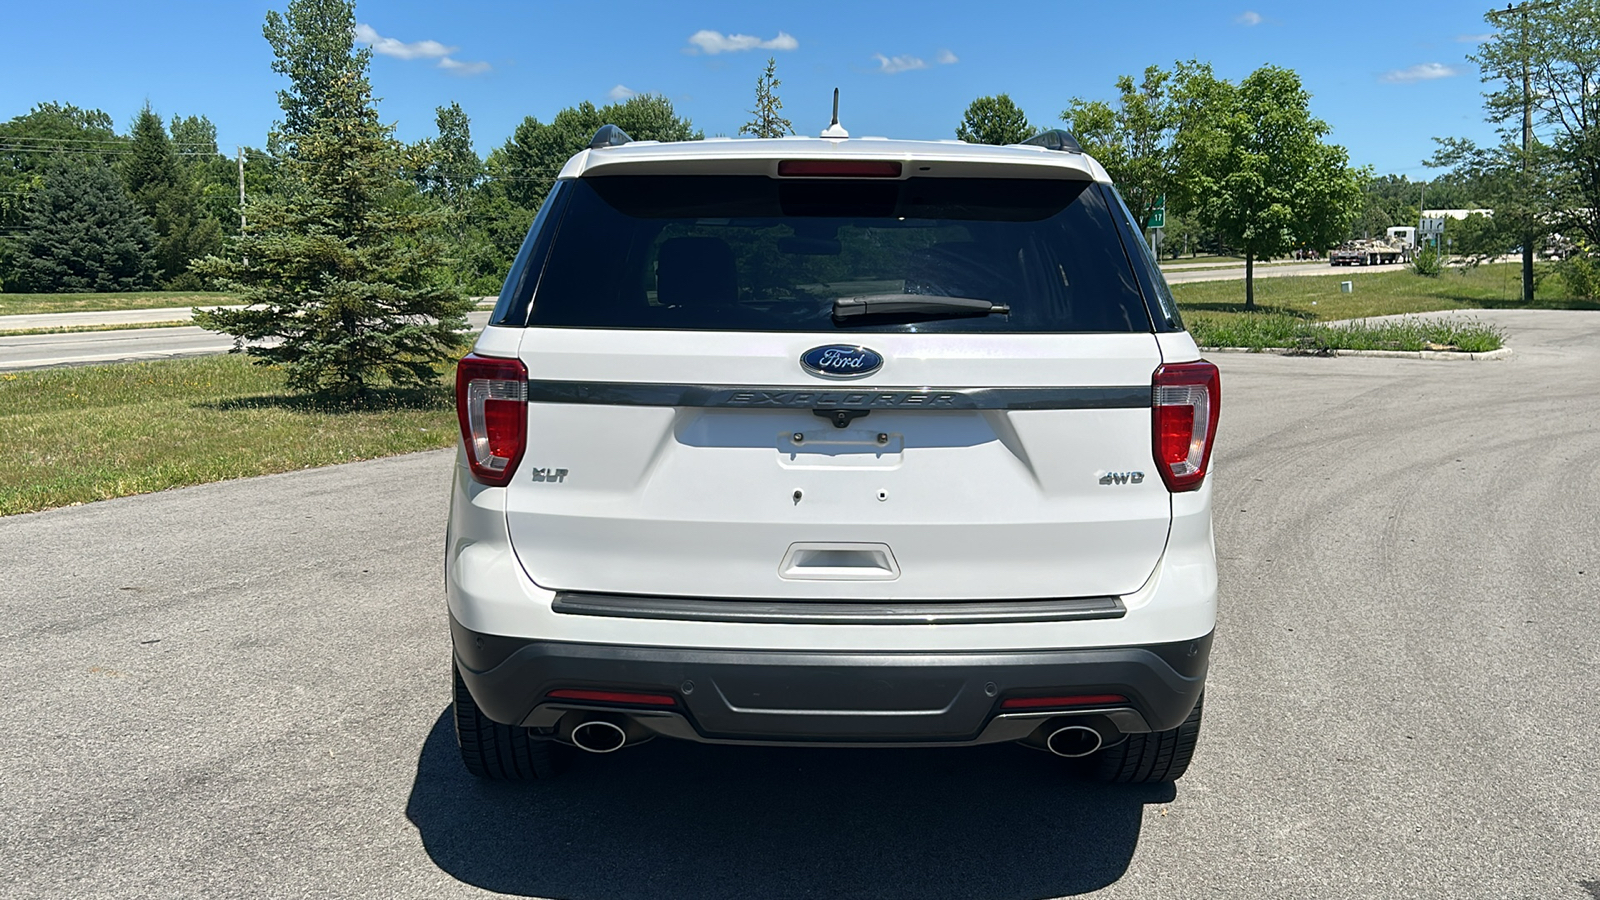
x,y
833,442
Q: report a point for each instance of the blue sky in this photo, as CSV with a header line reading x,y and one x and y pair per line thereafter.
x,y
905,69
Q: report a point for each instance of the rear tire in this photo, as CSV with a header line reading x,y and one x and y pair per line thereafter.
x,y
1152,758
499,752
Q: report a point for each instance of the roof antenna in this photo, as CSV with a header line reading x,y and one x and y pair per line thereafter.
x,y
835,130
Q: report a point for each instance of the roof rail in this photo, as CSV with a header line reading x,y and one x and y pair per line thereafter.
x,y
1055,139
609,136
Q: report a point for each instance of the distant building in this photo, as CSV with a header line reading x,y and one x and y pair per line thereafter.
x,y
1454,213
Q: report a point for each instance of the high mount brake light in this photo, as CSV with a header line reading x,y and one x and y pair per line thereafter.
x,y
1186,398
492,407
838,168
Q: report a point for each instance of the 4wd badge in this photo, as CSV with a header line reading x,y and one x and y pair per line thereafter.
x,y
1122,478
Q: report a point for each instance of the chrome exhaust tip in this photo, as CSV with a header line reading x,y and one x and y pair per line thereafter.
x,y
599,736
1073,741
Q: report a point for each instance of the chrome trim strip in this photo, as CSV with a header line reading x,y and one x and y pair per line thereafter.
x,y
718,396
808,612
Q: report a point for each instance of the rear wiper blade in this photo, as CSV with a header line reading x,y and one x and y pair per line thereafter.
x,y
916,304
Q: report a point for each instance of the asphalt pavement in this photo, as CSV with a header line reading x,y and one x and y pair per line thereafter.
x,y
240,690
42,351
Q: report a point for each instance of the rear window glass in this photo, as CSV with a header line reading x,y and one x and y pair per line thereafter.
x,y
760,254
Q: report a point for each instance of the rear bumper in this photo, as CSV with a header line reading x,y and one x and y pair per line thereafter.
x,y
845,698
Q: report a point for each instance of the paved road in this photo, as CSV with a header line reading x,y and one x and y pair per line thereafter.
x,y
26,321
238,690
39,351
1236,273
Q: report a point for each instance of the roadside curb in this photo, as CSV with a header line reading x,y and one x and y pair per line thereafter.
x,y
1502,353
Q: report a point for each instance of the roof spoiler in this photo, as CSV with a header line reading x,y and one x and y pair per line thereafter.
x,y
609,136
1054,139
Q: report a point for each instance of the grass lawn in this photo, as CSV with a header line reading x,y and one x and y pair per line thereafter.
x,y
75,435
28,304
1317,297
1214,310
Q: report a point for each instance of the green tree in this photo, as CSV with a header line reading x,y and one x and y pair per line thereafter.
x,y
81,232
1545,59
451,175
1525,190
215,175
1478,238
1133,140
454,169
163,188
50,133
338,266
1255,169
526,165
994,120
311,45
768,120
1374,219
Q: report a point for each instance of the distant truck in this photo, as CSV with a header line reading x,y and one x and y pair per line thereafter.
x,y
1369,252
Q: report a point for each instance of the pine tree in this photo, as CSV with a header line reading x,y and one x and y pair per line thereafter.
x,y
768,121
338,267
165,190
81,232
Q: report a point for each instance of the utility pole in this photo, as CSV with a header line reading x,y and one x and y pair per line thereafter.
x,y
241,187
1527,128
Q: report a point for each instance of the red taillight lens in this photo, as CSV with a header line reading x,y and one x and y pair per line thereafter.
x,y
838,168
1068,702
1187,398
492,407
615,697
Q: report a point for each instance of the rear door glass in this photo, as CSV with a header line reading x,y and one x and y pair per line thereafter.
x,y
751,253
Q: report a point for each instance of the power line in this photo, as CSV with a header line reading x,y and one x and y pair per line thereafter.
x,y
120,142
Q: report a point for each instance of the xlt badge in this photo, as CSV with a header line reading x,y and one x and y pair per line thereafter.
x,y
556,475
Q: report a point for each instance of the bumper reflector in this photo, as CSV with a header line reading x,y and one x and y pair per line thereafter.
x,y
1063,702
614,697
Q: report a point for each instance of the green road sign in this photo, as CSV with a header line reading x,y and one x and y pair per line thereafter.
x,y
1158,218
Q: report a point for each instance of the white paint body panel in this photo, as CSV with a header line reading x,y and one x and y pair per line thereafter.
x,y
489,592
975,505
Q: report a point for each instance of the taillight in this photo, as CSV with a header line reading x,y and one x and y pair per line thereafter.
x,y
1187,397
492,406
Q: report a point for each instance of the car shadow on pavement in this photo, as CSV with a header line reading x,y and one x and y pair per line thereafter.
x,y
671,819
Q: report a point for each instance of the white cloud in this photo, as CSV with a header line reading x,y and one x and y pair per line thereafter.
x,y
457,67
946,58
400,49
621,92
713,42
891,64
388,46
1420,72
1249,17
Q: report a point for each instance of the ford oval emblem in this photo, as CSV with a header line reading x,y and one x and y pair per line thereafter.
x,y
841,361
